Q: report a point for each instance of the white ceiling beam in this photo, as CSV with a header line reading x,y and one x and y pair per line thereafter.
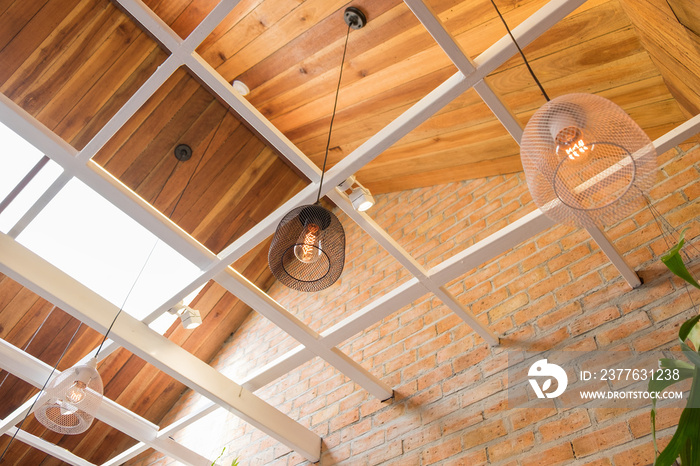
x,y
209,23
250,294
678,135
55,286
406,260
48,447
40,204
36,372
16,416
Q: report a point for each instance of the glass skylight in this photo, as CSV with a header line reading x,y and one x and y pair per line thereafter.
x,y
99,245
17,159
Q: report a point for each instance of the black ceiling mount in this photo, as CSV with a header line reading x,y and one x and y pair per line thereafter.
x,y
183,152
354,17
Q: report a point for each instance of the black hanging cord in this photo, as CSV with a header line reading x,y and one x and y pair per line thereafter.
x,y
335,105
539,84
182,193
36,398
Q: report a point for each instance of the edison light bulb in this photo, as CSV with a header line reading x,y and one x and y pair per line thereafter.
x,y
76,393
571,142
308,247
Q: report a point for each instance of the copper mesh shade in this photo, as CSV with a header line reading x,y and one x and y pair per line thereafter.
x,y
69,403
308,250
586,161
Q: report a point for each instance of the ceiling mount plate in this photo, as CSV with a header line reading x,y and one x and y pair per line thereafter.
x,y
354,17
183,152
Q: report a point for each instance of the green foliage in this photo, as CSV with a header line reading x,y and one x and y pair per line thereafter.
x,y
685,442
235,461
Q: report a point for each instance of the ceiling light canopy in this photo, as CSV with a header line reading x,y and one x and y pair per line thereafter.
x,y
586,161
70,401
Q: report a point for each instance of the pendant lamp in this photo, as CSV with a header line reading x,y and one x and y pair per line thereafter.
x,y
68,404
586,162
70,401
308,250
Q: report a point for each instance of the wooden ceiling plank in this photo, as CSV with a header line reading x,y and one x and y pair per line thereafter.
x,y
126,132
158,152
21,44
227,184
20,264
317,52
52,63
353,129
674,48
419,112
278,28
149,121
141,58
13,311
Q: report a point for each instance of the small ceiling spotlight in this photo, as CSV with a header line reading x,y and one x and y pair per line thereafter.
x,y
360,196
240,87
191,318
361,199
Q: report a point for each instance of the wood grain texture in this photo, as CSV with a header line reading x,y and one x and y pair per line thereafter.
x,y
72,64
674,47
238,179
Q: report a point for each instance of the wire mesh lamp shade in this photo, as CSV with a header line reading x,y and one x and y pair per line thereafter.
x,y
308,250
70,401
586,161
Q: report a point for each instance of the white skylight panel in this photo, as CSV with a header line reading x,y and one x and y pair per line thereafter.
x,y
17,159
99,245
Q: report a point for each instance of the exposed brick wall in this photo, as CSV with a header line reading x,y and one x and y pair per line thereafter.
x,y
556,290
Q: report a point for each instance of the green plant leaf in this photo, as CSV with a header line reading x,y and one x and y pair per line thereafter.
x,y
687,436
666,363
673,260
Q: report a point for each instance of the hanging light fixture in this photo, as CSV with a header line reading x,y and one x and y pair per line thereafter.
x,y
70,401
308,250
586,162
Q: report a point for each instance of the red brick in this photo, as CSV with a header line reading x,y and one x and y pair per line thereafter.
x,y
590,321
573,422
601,440
443,450
485,433
512,446
561,454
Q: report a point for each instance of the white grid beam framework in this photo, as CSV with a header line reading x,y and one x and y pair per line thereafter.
x,y
130,333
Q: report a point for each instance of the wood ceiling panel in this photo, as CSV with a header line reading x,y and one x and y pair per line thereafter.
x,y
72,63
238,181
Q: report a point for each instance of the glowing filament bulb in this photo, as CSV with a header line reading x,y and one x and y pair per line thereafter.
x,y
308,247
76,393
570,141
